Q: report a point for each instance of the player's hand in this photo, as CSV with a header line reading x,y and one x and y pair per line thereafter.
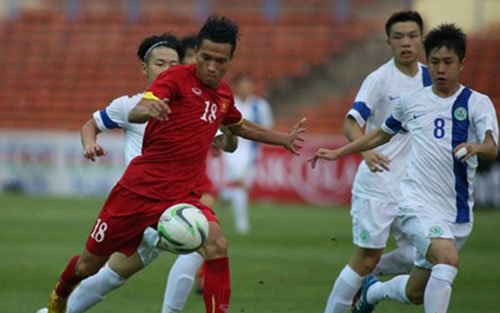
x,y
295,139
90,152
159,110
326,154
376,162
470,151
225,130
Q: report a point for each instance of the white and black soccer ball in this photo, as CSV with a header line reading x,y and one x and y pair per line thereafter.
x,y
182,228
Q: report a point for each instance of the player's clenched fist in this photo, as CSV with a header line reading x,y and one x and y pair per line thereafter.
x,y
149,109
159,109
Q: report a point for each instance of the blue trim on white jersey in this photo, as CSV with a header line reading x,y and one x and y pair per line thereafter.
x,y
426,78
393,124
108,123
460,130
362,109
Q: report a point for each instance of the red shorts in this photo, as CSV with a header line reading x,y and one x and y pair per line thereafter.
x,y
125,216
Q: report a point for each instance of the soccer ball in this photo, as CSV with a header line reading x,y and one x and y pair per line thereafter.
x,y
182,228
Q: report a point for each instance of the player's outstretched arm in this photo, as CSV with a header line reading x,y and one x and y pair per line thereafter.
x,y
291,141
88,136
227,142
148,108
373,139
487,150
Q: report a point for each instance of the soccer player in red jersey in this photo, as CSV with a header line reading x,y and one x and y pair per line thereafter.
x,y
178,135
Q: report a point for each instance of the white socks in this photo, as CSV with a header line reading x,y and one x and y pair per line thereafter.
x,y
438,291
394,289
93,289
344,290
180,282
398,261
238,196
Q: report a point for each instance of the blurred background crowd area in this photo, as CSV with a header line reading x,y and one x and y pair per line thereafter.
x,y
64,59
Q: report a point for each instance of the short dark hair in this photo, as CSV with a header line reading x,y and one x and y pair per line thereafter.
x,y
404,16
189,42
449,36
164,40
219,30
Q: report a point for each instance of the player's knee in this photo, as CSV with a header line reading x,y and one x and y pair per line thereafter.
x,y
217,247
85,269
451,260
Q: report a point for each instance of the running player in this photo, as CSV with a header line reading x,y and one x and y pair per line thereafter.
x,y
175,144
157,53
450,126
374,204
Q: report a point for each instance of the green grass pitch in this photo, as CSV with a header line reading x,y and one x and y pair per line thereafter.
x,y
287,264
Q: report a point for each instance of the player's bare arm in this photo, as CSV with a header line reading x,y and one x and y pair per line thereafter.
x,y
487,150
373,139
227,142
88,136
376,162
149,108
291,141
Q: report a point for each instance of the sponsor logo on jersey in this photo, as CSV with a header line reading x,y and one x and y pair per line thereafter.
x,y
393,98
460,113
415,116
196,91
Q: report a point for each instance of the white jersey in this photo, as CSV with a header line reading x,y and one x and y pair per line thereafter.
x,y
257,110
434,180
373,104
115,115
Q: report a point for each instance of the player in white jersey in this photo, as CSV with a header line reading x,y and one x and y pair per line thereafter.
x,y
157,53
450,126
239,165
374,204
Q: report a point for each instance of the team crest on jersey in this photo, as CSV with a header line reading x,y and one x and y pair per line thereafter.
x,y
224,104
196,91
436,231
365,236
460,113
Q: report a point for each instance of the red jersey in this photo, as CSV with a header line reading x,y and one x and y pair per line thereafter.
x,y
174,151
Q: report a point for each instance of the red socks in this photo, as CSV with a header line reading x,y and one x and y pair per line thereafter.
x,y
217,288
68,279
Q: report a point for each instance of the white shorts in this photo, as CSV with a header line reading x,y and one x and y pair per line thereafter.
x,y
421,225
373,221
147,249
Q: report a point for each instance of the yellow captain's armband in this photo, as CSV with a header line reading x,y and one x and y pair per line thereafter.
x,y
236,124
150,96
